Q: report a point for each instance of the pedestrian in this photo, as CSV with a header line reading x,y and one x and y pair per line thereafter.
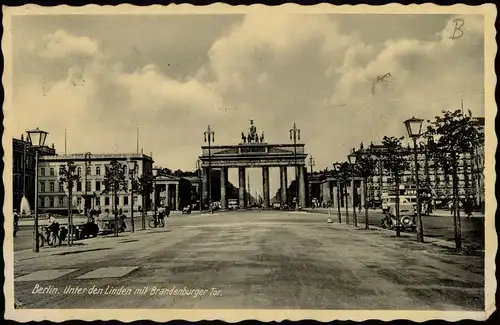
x,y
53,230
451,206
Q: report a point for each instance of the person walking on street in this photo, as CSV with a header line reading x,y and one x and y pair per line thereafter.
x,y
451,206
16,222
53,230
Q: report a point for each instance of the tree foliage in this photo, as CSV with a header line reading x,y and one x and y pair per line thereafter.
x,y
452,133
115,179
394,156
68,176
366,164
143,185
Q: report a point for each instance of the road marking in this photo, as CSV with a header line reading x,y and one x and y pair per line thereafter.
x,y
108,272
45,275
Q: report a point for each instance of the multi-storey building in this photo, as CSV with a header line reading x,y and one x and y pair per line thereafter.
x,y
23,170
434,181
89,189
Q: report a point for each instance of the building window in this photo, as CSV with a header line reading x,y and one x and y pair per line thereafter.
x,y
51,202
89,170
42,171
97,201
42,186
52,173
51,187
62,168
125,200
79,170
61,187
40,202
88,186
97,185
106,200
79,186
78,201
57,202
98,170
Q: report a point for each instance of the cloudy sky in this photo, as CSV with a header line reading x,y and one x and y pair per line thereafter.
x,y
101,77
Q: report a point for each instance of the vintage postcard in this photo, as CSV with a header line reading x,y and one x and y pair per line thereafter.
x,y
232,163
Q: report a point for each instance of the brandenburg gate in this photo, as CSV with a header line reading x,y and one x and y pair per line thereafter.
x,y
252,152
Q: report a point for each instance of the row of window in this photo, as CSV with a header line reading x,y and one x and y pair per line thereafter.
x,y
56,201
51,186
52,171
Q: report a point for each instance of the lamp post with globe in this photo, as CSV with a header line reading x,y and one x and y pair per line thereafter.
x,y
414,129
37,139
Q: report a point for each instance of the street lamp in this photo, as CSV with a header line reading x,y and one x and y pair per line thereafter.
x,y
37,139
295,135
352,161
132,166
198,168
414,129
336,168
87,158
155,174
209,138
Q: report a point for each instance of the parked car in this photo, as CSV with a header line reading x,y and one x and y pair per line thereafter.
x,y
276,206
87,229
232,204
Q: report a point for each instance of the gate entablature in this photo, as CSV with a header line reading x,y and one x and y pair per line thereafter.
x,y
253,154
252,151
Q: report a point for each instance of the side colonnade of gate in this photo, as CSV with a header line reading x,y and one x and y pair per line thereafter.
x,y
253,155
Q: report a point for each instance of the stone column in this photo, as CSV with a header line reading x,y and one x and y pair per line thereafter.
x,y
204,184
284,184
362,192
265,184
167,194
302,186
223,184
335,197
242,187
177,197
309,188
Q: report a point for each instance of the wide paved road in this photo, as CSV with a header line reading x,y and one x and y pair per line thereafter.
x,y
251,260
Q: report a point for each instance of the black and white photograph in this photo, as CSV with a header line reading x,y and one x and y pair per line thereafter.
x,y
270,163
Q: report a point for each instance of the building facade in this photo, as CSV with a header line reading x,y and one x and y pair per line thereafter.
x,y
88,191
23,170
435,183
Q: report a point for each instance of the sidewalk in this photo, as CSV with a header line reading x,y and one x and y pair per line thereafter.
x,y
81,219
88,245
361,225
435,213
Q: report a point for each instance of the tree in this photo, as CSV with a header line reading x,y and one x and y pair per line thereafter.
x,y
144,187
453,135
68,176
395,160
366,165
344,176
115,181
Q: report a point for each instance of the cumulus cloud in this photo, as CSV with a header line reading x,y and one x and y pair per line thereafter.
x,y
276,70
61,44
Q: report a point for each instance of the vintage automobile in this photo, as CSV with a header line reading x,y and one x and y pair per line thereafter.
x,y
232,204
106,223
407,212
87,229
276,206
